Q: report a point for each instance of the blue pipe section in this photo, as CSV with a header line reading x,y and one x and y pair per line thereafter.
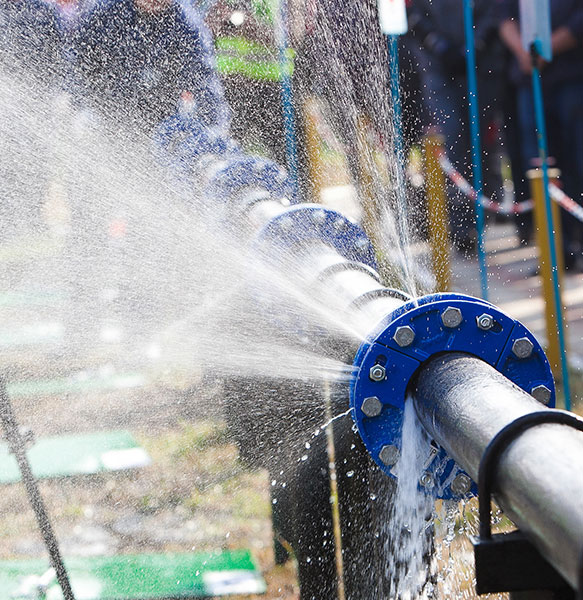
x,y
475,141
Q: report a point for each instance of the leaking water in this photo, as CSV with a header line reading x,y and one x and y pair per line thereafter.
x,y
410,524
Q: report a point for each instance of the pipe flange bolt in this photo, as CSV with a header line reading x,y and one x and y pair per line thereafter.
x,y
451,317
377,373
371,406
485,322
404,336
522,347
541,393
389,455
461,484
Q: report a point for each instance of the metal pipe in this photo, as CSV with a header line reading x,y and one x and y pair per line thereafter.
x,y
463,403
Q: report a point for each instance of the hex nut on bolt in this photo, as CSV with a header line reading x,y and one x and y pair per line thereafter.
x,y
404,336
461,484
377,372
426,480
371,406
522,347
389,455
541,393
451,317
485,322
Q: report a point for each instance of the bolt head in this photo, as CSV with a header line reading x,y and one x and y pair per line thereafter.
x,y
404,336
522,347
461,484
371,406
541,393
319,216
377,373
389,455
485,322
426,480
451,317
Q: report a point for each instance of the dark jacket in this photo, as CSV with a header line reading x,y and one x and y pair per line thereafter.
x,y
438,26
565,67
136,65
29,37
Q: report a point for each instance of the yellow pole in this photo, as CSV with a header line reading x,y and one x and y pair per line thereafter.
x,y
437,212
369,201
535,178
313,147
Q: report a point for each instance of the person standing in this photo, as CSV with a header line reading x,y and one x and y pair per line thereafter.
x,y
438,28
562,83
135,58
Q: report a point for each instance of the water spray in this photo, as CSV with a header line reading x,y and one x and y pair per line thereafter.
x,y
471,369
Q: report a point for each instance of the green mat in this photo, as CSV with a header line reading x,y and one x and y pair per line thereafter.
x,y
80,454
141,576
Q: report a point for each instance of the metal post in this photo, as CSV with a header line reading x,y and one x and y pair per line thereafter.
x,y
286,68
17,446
476,144
544,244
437,213
550,222
393,46
315,162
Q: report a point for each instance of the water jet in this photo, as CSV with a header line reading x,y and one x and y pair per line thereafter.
x,y
471,369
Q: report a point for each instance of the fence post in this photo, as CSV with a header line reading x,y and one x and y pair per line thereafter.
x,y
535,179
313,149
437,211
368,184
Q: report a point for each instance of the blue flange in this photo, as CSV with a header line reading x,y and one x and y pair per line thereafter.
x,y
182,141
242,172
303,223
389,358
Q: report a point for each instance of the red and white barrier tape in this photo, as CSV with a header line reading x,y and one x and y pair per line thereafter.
x,y
567,203
465,187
